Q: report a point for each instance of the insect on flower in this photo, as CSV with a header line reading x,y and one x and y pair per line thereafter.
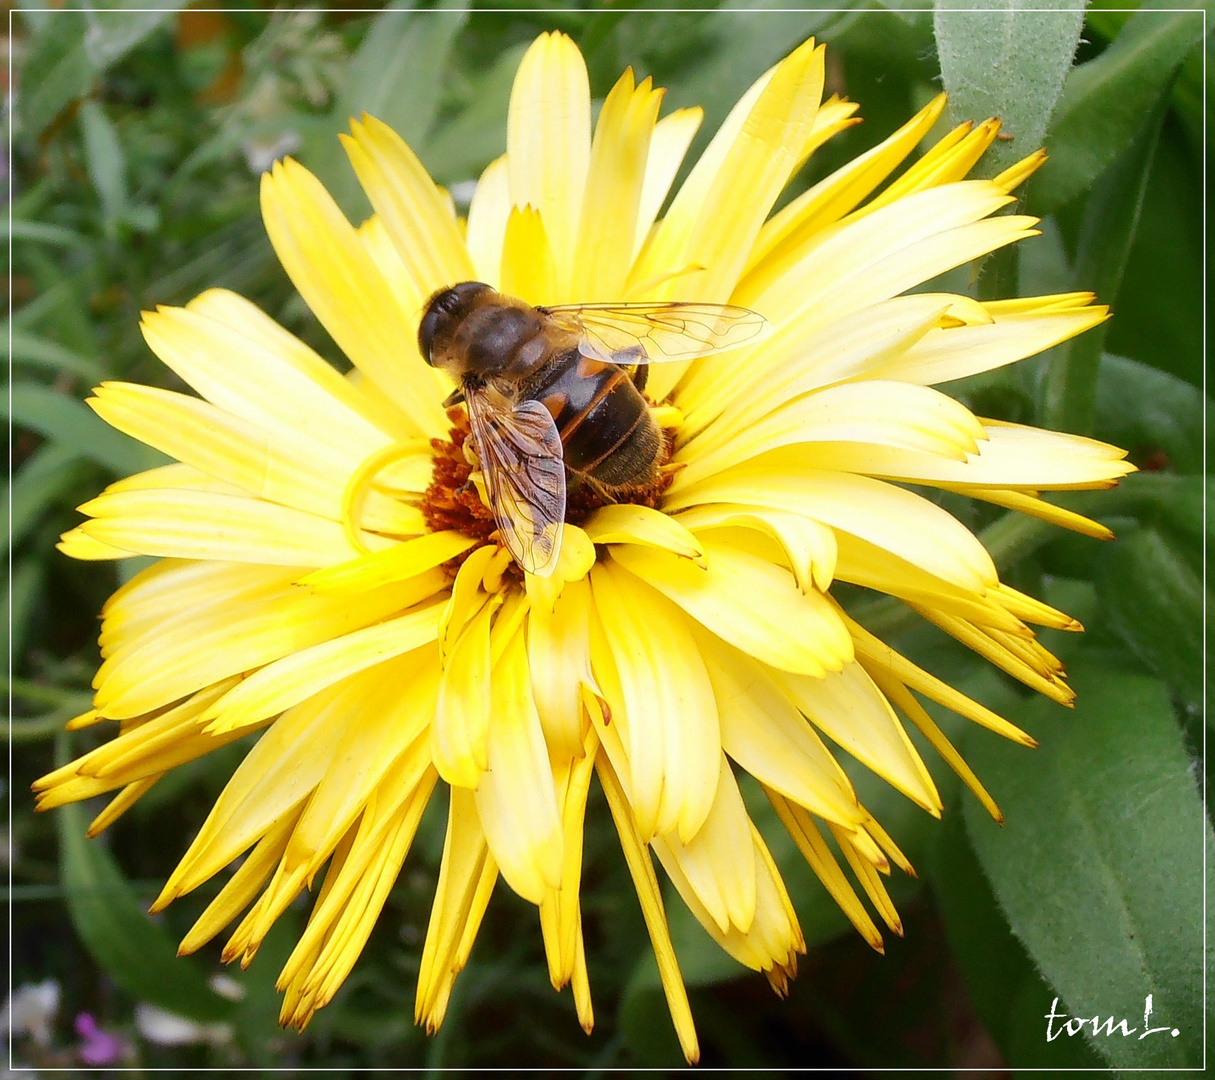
x,y
546,390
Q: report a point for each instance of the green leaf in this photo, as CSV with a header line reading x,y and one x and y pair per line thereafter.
x,y
57,70
1006,991
75,426
1150,413
136,953
32,349
461,147
48,473
114,29
1153,600
396,76
1107,231
25,584
397,73
1099,866
1105,100
1158,314
106,163
42,232
1006,59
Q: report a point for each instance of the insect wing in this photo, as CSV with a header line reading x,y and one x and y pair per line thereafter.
x,y
524,472
658,333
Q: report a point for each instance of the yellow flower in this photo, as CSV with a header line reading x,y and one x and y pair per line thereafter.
x,y
311,584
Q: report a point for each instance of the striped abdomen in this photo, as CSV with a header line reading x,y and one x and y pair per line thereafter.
x,y
606,429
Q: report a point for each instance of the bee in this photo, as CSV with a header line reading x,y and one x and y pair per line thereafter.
x,y
550,389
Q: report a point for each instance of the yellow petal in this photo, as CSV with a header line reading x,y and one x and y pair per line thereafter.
x,y
459,736
764,733
273,391
392,564
670,716
805,833
632,523
340,281
247,369
288,681
669,143
849,708
529,268
559,659
831,198
891,414
413,211
487,216
898,521
278,773
466,859
773,938
757,149
515,799
944,355
641,869
253,629
753,605
809,546
1012,457
199,525
548,138
603,253
717,862
292,471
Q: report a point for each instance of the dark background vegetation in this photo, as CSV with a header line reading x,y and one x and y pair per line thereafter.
x,y
135,146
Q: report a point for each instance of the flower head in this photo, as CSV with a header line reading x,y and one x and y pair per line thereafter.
x,y
330,572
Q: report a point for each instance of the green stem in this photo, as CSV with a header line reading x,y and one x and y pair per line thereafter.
x,y
1107,231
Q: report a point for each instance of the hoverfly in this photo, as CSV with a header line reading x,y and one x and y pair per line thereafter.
x,y
547,390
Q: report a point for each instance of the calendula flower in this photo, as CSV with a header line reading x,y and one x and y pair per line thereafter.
x,y
330,574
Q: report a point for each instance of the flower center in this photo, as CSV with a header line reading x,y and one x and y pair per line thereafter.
x,y
452,501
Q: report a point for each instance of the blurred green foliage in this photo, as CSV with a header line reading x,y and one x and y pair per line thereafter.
x,y
138,137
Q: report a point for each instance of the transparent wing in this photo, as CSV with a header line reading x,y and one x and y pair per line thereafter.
x,y
522,463
658,333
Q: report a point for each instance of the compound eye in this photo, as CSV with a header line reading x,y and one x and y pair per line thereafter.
x,y
426,332
444,306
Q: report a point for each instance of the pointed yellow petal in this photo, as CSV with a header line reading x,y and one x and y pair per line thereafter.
x,y
339,280
459,736
288,681
809,546
487,216
185,524
413,211
632,523
641,869
717,862
465,859
515,798
529,269
292,471
603,253
669,143
670,716
851,710
559,659
548,138
896,520
752,604
765,734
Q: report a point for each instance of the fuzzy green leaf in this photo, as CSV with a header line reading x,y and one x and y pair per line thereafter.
x,y
135,952
1007,60
1099,867
1105,100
